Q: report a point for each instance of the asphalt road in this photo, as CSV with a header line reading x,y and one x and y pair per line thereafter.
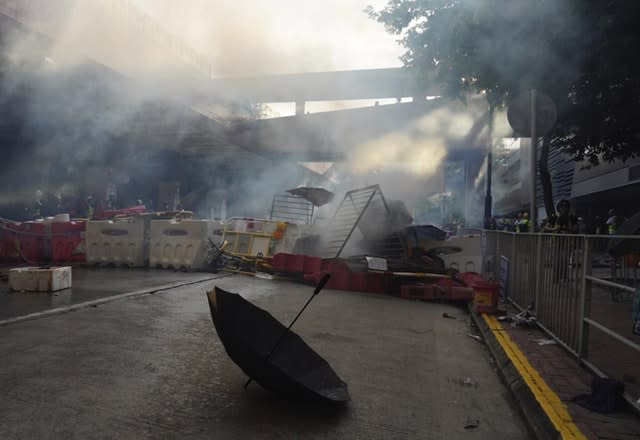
x,y
153,367
89,284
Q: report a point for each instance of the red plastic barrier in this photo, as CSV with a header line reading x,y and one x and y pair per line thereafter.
x,y
375,283
67,240
314,277
33,241
471,278
279,261
295,263
312,264
358,281
420,291
456,293
485,299
8,251
339,280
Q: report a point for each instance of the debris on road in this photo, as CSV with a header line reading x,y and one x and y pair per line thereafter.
x,y
471,424
526,318
546,341
446,315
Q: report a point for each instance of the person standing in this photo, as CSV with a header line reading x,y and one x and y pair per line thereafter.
x,y
90,207
524,222
612,222
582,226
36,209
598,226
565,222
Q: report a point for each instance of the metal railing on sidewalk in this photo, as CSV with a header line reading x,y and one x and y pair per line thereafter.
x,y
582,289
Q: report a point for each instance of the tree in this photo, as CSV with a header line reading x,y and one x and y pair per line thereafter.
x,y
579,52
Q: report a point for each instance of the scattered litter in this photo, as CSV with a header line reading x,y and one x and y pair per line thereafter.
x,y
476,337
446,315
606,396
546,342
263,276
471,424
463,382
420,332
525,318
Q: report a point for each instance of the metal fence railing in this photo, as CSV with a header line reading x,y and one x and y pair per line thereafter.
x,y
582,289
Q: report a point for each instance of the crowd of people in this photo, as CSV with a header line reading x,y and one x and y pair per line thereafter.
x,y
563,222
51,203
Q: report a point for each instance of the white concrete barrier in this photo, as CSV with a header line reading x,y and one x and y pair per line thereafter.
x,y
119,242
179,244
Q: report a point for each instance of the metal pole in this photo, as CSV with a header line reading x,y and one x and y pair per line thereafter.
x,y
488,199
585,300
513,266
533,214
537,273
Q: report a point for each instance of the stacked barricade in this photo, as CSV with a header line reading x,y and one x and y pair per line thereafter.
x,y
123,212
252,237
120,243
469,257
443,290
179,244
312,269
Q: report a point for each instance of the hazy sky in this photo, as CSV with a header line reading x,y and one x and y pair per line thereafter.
x,y
251,37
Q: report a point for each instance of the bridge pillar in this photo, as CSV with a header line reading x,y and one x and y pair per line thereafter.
x,y
299,108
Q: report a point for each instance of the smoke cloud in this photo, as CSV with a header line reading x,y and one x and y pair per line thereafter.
x,y
97,100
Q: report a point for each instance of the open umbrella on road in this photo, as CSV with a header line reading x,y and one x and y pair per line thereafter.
x,y
270,353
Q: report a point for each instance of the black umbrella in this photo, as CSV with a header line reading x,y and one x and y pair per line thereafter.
x,y
270,353
620,246
316,195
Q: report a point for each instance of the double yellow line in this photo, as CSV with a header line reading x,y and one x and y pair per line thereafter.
x,y
550,402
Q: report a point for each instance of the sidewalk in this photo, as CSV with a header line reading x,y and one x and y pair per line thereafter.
x,y
544,379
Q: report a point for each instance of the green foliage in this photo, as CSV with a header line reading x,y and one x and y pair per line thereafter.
x,y
581,53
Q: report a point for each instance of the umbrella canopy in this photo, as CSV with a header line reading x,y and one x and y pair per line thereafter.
x,y
316,195
249,335
620,246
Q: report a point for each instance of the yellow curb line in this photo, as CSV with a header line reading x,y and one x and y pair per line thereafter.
x,y
550,402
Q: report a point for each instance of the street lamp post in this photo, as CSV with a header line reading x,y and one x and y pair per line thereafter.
x,y
533,214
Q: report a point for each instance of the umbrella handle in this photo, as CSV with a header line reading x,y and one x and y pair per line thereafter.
x,y
320,285
317,290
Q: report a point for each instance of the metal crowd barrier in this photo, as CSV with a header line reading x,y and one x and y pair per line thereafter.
x,y
581,293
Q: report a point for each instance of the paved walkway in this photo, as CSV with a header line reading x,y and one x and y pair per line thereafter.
x,y
152,367
557,378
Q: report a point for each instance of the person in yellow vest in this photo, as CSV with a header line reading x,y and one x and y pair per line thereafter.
x,y
612,222
524,222
90,208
